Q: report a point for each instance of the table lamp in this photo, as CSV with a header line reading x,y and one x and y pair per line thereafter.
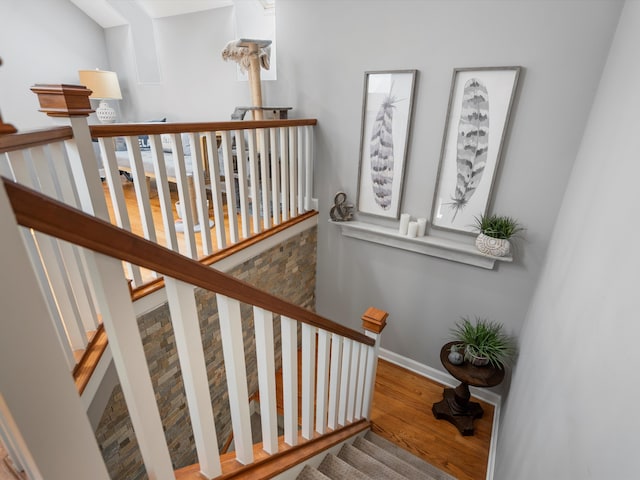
x,y
104,86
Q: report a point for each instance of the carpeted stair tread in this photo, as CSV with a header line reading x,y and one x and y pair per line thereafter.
x,y
310,473
368,465
338,469
408,457
392,461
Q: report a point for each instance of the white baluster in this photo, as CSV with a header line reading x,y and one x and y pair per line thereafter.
x,y
263,323
289,339
353,381
216,189
308,157
275,176
308,378
140,184
254,179
362,368
186,328
118,201
293,171
241,163
164,193
301,168
230,186
200,192
334,380
322,386
234,365
185,183
374,321
284,172
264,174
345,371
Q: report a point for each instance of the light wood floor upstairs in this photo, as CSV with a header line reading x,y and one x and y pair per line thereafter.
x,y
402,414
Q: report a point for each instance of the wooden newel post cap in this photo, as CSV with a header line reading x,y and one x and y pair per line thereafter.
x,y
374,320
63,100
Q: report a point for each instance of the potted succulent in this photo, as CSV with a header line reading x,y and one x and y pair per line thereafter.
x,y
484,342
494,234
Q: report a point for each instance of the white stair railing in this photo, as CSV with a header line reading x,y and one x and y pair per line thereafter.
x,y
320,377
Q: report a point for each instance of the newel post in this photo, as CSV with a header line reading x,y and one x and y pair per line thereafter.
x,y
373,322
72,102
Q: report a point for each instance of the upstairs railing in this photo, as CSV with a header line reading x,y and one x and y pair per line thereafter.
x,y
252,175
338,364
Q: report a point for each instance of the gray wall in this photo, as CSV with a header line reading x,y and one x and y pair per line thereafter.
x,y
572,408
43,42
324,49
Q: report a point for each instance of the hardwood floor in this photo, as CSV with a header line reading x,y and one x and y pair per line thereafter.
x,y
402,414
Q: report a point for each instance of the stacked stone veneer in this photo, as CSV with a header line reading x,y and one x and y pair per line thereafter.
x,y
287,271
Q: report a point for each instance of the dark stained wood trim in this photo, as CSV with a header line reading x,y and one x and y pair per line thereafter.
x,y
374,320
158,283
34,210
19,141
267,466
84,369
63,100
157,128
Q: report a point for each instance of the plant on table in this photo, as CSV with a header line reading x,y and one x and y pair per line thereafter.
x,y
485,342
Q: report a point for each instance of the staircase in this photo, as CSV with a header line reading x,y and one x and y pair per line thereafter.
x,y
371,457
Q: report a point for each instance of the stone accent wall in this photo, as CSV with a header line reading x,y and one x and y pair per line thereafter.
x,y
287,271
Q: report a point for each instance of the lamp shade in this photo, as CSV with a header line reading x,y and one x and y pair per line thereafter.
x,y
102,83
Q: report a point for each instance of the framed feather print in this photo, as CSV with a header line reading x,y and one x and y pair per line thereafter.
x,y
386,116
477,119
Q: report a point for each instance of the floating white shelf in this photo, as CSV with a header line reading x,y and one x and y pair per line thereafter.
x,y
428,245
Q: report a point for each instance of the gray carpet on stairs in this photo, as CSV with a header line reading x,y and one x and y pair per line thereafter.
x,y
371,457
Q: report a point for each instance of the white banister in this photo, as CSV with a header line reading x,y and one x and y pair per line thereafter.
x,y
322,385
235,368
265,357
216,189
353,381
242,183
293,171
308,378
373,322
289,339
284,173
275,176
230,186
186,328
345,372
334,381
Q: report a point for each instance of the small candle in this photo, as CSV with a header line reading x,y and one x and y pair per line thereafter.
x,y
422,227
412,231
404,223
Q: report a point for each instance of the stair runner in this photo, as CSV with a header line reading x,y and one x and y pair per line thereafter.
x,y
371,457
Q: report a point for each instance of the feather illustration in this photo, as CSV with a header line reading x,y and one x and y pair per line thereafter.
x,y
381,153
473,143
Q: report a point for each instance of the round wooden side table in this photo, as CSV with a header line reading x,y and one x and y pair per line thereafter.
x,y
455,406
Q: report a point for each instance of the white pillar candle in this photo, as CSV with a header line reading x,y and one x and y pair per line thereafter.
x,y
412,231
404,223
422,227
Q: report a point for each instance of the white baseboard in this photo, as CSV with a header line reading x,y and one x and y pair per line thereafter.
x,y
446,379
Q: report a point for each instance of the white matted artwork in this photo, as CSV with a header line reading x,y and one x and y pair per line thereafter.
x,y
386,119
477,119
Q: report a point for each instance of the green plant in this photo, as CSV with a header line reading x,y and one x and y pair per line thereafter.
x,y
486,339
498,226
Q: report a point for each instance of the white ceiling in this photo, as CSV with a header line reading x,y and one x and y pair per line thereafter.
x,y
103,13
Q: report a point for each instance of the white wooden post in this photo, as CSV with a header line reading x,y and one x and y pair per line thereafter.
x,y
373,322
264,176
308,170
216,189
41,391
241,163
353,381
322,386
334,380
230,186
186,328
362,368
140,186
308,377
235,367
164,193
284,173
254,179
293,171
289,339
345,371
263,322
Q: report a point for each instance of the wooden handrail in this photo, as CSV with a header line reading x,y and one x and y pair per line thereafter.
x,y
37,211
158,128
18,141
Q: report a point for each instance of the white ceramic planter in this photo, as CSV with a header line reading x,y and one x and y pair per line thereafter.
x,y
498,247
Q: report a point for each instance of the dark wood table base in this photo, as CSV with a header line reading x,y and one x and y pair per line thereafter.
x,y
460,415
